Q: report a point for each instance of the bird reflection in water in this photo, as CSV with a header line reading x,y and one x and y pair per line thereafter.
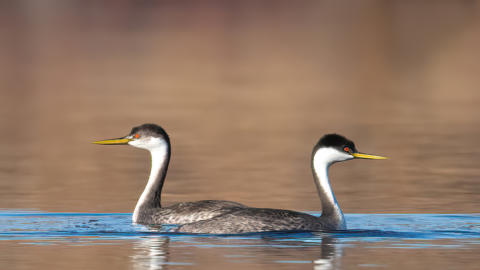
x,y
152,253
330,256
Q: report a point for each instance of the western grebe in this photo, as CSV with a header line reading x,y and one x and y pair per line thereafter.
x,y
330,149
148,209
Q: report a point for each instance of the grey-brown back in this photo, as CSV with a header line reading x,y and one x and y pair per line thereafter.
x,y
245,220
187,212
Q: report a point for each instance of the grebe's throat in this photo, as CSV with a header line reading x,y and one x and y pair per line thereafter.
x,y
151,196
321,162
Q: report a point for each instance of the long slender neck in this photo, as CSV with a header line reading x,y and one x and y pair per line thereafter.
x,y
151,196
331,210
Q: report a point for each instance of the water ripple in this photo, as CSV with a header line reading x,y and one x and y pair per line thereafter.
x,y
398,230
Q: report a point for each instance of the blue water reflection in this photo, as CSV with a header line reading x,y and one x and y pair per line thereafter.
x,y
31,225
152,247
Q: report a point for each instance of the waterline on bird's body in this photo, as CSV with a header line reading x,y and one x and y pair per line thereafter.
x,y
41,225
370,237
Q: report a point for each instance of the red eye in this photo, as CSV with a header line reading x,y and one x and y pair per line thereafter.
x,y
346,149
137,136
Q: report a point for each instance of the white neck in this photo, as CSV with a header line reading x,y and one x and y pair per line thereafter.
x,y
151,194
331,210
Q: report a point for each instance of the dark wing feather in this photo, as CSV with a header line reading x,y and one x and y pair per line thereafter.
x,y
245,220
187,212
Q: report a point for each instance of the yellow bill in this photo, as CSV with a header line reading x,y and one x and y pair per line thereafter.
x,y
367,156
113,141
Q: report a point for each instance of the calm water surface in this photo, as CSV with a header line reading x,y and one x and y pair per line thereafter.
x,y
245,89
372,241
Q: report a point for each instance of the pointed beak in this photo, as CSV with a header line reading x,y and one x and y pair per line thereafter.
x,y
114,141
367,156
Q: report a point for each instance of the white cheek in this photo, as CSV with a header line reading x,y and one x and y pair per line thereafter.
x,y
330,155
344,156
148,143
136,143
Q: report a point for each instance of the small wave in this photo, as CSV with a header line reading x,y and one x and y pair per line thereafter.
x,y
40,226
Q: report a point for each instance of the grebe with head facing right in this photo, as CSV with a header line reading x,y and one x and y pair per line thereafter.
x,y
330,149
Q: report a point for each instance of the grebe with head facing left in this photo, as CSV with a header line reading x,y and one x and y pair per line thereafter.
x,y
148,209
330,149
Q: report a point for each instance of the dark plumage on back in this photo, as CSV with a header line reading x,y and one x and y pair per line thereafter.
x,y
247,220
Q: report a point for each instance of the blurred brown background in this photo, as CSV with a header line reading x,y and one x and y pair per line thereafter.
x,y
245,89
